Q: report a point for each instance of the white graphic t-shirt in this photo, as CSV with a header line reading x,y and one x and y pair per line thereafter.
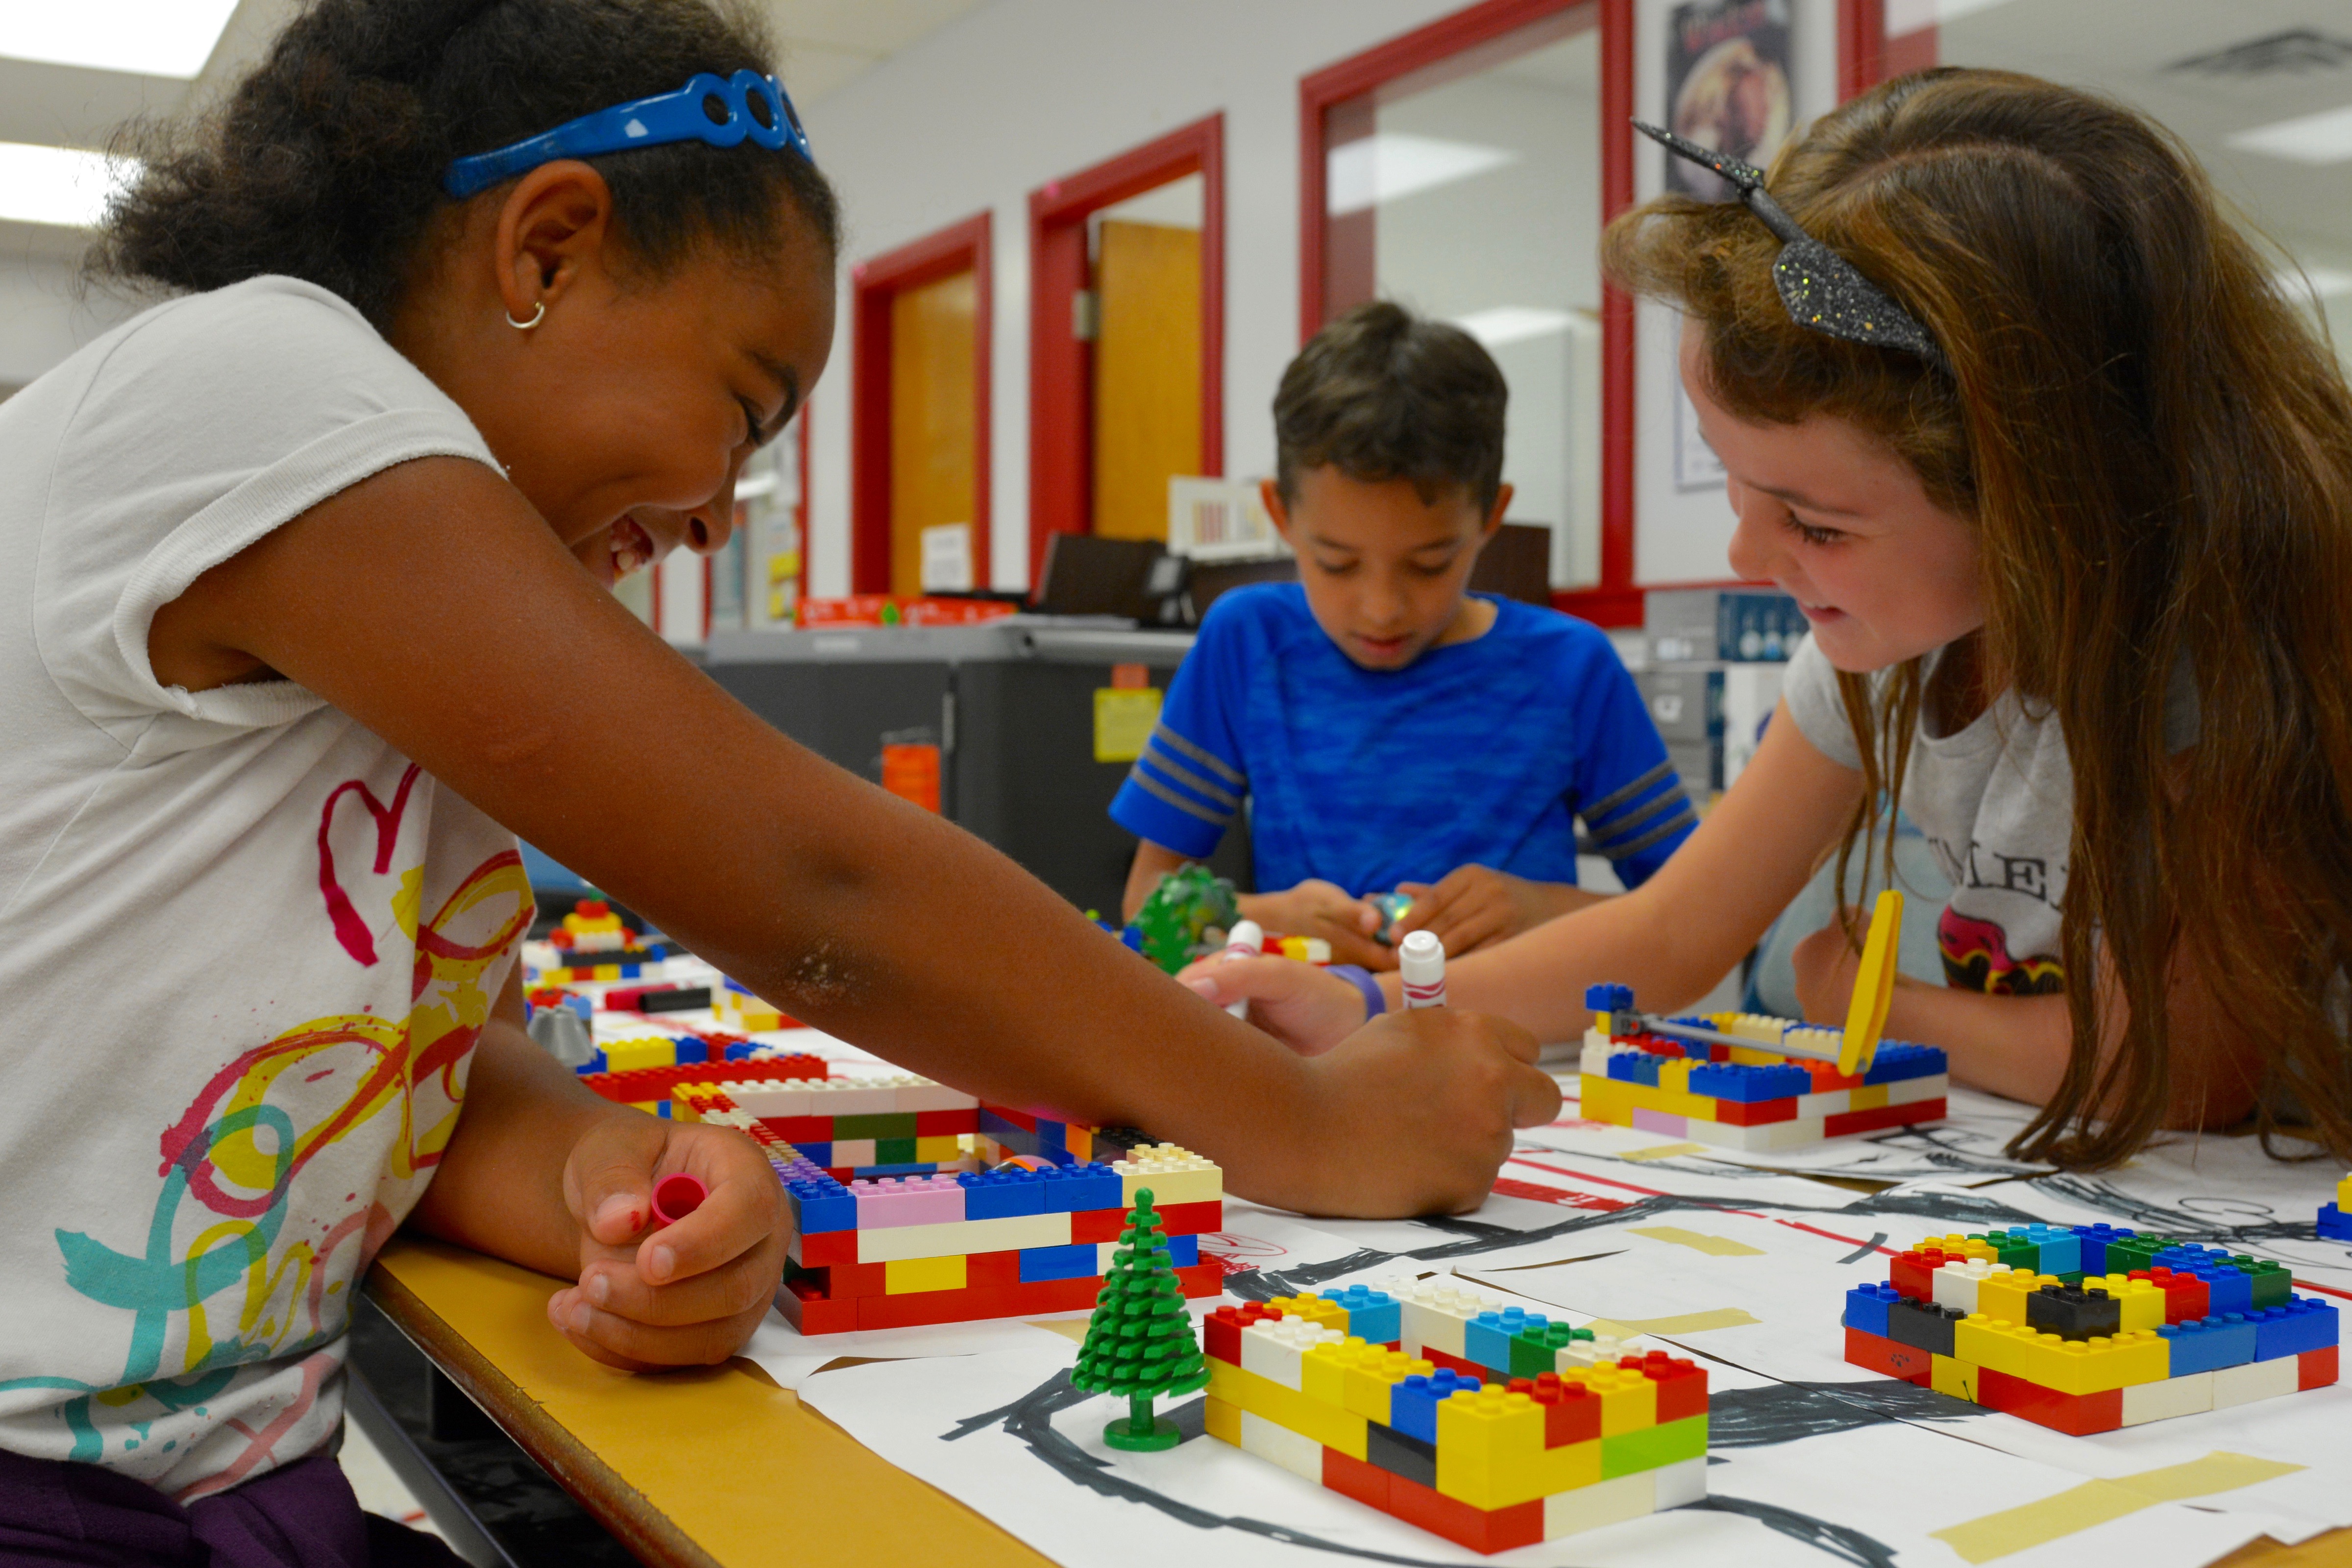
x,y
246,947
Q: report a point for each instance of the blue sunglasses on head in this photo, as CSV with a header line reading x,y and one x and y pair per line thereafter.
x,y
720,110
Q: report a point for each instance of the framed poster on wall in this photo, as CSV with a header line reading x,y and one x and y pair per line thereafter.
x,y
1728,85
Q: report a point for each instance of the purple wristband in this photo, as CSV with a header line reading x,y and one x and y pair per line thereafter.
x,y
1356,974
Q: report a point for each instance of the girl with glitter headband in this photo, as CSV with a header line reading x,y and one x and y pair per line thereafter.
x,y
2063,479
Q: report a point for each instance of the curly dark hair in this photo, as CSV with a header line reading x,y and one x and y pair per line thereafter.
x,y
325,162
1382,393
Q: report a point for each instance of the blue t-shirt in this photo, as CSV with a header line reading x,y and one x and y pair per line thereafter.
x,y
1484,751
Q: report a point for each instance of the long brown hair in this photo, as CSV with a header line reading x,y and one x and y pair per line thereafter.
x,y
2156,450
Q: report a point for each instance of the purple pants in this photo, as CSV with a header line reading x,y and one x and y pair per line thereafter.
x,y
302,1515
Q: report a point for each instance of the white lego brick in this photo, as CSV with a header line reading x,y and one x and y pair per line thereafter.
x,y
1911,1091
1836,1103
2191,1395
788,1097
924,1095
846,1097
1436,1312
1301,1456
1681,1483
851,1152
953,1237
1599,1351
2255,1380
1957,1283
1816,1037
1174,1175
1272,1347
1803,1132
1581,1509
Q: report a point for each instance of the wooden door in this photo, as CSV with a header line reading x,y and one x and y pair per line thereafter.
x,y
933,398
1147,373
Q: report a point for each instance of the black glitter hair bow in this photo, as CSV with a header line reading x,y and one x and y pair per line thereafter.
x,y
1821,288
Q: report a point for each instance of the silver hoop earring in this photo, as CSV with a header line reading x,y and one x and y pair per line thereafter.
x,y
538,314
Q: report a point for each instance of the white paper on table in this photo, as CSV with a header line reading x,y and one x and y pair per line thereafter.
x,y
1804,1483
790,1357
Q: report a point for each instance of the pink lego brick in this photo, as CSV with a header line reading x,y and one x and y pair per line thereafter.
x,y
906,1200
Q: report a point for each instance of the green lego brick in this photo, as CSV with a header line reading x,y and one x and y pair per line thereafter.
x,y
2272,1282
894,1151
1536,1351
1648,1448
890,1124
2124,1257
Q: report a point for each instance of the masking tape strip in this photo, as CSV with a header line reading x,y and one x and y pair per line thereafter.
x,y
1713,1245
1683,1323
2096,1502
1662,1151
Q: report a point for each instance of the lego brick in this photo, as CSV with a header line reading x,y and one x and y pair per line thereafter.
x,y
2272,1285
1182,1251
1895,1061
1203,1218
1075,1187
1174,1175
1413,1403
2093,1240
1013,1232
2335,1223
1374,1316
1038,1263
1867,1308
816,1316
1486,1338
1923,1326
1320,1421
1490,1451
1913,1272
2207,1344
1956,1284
1957,1378
1367,1484
1221,1419
1004,1195
1271,1349
1651,1447
1605,1503
1039,1296
877,1125
1200,1280
2067,1366
2001,1297
1886,1116
895,1201
926,1307
1535,1350
1480,1530
2304,1323
1880,1354
2073,1313
946,1124
2255,1380
2315,1369
821,1206
1681,1385
2186,1296
909,1276
2189,1395
1300,1455
1434,1315
2078,1416
1398,1455
991,1267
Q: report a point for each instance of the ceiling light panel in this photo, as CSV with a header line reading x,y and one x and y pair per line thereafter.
x,y
1381,168
57,184
2321,138
1514,323
146,37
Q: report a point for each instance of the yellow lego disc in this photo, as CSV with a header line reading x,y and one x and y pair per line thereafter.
x,y
1873,986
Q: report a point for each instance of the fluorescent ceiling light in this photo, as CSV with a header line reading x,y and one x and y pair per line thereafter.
x,y
2321,138
1909,16
150,38
1514,323
2322,282
1383,167
58,185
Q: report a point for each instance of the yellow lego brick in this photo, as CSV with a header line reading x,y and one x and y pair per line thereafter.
x,y
1954,1377
2343,1194
1632,1097
1366,1388
1866,1097
1174,1175
625,1056
939,1149
2141,1300
1223,1418
1959,1245
1488,1445
1326,1423
2068,1366
1757,1056
1313,1309
1628,1400
2001,1297
1674,1075
909,1276
650,1107
1323,1369
1224,1383
1605,1100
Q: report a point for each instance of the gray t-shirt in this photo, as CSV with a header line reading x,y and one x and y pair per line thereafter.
x,y
1996,802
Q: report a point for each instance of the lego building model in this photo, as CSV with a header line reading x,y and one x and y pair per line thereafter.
x,y
592,944
2090,1328
1494,1428
1740,1081
2336,1218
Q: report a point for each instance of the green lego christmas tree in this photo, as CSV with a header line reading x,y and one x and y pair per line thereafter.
x,y
1173,922
1139,1342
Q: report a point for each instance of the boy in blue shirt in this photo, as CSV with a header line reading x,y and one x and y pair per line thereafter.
x,y
1389,730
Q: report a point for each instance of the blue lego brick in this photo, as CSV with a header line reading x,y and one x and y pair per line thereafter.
x,y
2061,1248
817,1154
691,1049
1895,1061
1073,1262
916,1168
2304,1323
821,1205
2202,1345
661,1108
2335,1225
1867,1307
1002,1193
740,1051
1412,1404
1609,998
1374,1316
2188,1257
597,1063
1486,1338
1019,1139
2228,1288
1053,1140
2095,1239
1184,1251
1072,1188
1635,1067
1747,1084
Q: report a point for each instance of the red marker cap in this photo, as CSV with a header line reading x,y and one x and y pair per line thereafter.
x,y
676,1196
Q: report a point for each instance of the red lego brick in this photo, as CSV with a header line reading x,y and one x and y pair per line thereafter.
x,y
1368,1484
2315,1369
1827,1079
1914,1273
827,1248
1682,1385
1572,1413
1480,1530
1054,1295
2186,1296
1097,1225
2076,1415
940,1124
932,1306
1203,1218
848,1281
814,1316
1445,1363
1884,1116
1756,1113
1866,1349
1024,1119
992,1268
1200,1280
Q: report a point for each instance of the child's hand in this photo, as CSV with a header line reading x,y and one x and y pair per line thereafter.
x,y
1474,905
1297,1003
1826,962
1316,908
687,1294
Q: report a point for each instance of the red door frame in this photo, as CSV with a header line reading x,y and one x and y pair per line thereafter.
x,y
873,283
1616,601
1061,402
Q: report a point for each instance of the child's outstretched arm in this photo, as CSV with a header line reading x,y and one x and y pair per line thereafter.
x,y
435,607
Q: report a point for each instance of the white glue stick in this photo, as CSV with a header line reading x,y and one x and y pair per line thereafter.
x,y
1247,941
1421,965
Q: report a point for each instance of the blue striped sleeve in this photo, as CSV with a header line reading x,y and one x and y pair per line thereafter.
x,y
1632,801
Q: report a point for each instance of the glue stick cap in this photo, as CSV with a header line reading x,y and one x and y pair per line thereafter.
x,y
1422,947
1247,936
1421,966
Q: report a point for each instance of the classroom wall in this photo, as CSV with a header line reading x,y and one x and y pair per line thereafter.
x,y
41,321
1023,91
